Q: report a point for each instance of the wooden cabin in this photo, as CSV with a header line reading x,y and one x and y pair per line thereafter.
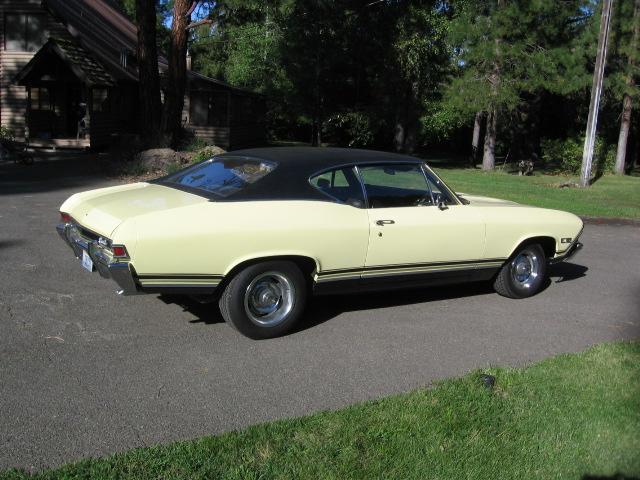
x,y
68,78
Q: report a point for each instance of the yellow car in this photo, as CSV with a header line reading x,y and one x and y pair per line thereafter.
x,y
262,229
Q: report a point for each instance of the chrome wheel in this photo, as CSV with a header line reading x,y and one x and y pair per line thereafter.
x,y
269,299
525,268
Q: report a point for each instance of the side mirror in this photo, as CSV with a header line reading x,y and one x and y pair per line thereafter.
x,y
442,205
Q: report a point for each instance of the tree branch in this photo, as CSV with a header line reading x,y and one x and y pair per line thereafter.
x,y
206,21
194,4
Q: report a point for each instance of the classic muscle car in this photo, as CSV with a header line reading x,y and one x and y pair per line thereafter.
x,y
260,230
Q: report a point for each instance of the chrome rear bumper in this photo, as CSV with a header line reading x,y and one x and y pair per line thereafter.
x,y
119,271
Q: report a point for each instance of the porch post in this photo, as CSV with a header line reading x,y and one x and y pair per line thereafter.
x,y
87,116
27,116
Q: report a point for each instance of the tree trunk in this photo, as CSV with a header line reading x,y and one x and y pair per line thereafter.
x,y
625,123
407,116
316,132
475,142
489,157
149,78
398,136
177,73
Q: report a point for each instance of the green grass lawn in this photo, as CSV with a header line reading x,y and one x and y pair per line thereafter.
x,y
566,417
610,196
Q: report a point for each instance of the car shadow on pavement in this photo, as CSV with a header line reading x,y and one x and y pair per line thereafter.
x,y
11,243
564,272
324,308
205,311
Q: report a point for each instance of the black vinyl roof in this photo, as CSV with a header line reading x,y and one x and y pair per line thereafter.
x,y
290,179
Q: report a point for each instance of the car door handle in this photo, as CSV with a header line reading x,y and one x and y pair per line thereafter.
x,y
384,222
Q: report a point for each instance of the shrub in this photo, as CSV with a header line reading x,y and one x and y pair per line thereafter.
x,y
439,122
195,144
172,168
353,129
6,133
567,154
206,153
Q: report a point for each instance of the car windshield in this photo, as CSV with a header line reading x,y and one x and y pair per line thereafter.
x,y
222,176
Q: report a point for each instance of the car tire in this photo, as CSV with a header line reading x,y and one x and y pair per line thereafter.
x,y
524,274
264,300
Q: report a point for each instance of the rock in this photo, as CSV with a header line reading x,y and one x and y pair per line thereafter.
x,y
525,167
569,185
156,158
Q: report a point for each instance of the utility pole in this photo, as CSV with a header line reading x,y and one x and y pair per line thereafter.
x,y
596,90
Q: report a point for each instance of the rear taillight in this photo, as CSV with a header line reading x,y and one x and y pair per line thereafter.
x,y
119,251
65,217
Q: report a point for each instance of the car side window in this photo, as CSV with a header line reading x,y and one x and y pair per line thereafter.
x,y
395,185
341,184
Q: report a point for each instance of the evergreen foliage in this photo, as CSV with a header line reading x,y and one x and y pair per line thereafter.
x,y
407,74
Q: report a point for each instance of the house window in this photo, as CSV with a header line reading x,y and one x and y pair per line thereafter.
x,y
209,109
40,98
24,32
100,99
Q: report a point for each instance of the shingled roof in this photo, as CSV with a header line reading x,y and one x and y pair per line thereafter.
x,y
99,34
80,61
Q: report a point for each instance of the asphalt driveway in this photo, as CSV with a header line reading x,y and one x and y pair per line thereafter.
x,y
84,372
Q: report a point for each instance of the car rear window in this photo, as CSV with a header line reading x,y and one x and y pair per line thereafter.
x,y
222,176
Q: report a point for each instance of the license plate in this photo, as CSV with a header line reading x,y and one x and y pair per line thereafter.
x,y
87,263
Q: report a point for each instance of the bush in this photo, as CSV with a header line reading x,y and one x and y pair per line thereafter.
x,y
205,153
195,144
6,133
567,154
439,122
353,129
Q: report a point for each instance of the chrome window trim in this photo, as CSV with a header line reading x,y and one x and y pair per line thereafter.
x,y
451,193
426,179
356,169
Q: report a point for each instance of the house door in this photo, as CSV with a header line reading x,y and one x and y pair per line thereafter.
x,y
73,110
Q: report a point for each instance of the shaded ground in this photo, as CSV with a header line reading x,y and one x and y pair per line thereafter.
x,y
85,373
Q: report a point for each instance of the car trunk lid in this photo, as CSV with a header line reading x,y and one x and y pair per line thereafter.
x,y
102,210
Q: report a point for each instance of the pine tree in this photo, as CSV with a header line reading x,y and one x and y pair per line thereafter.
x,y
628,31
506,50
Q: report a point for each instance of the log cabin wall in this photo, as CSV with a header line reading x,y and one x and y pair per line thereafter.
x,y
214,135
245,113
13,98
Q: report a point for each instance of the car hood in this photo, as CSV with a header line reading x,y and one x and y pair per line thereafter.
x,y
480,201
102,210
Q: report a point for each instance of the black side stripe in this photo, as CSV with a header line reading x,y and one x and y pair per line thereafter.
x,y
181,277
409,265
